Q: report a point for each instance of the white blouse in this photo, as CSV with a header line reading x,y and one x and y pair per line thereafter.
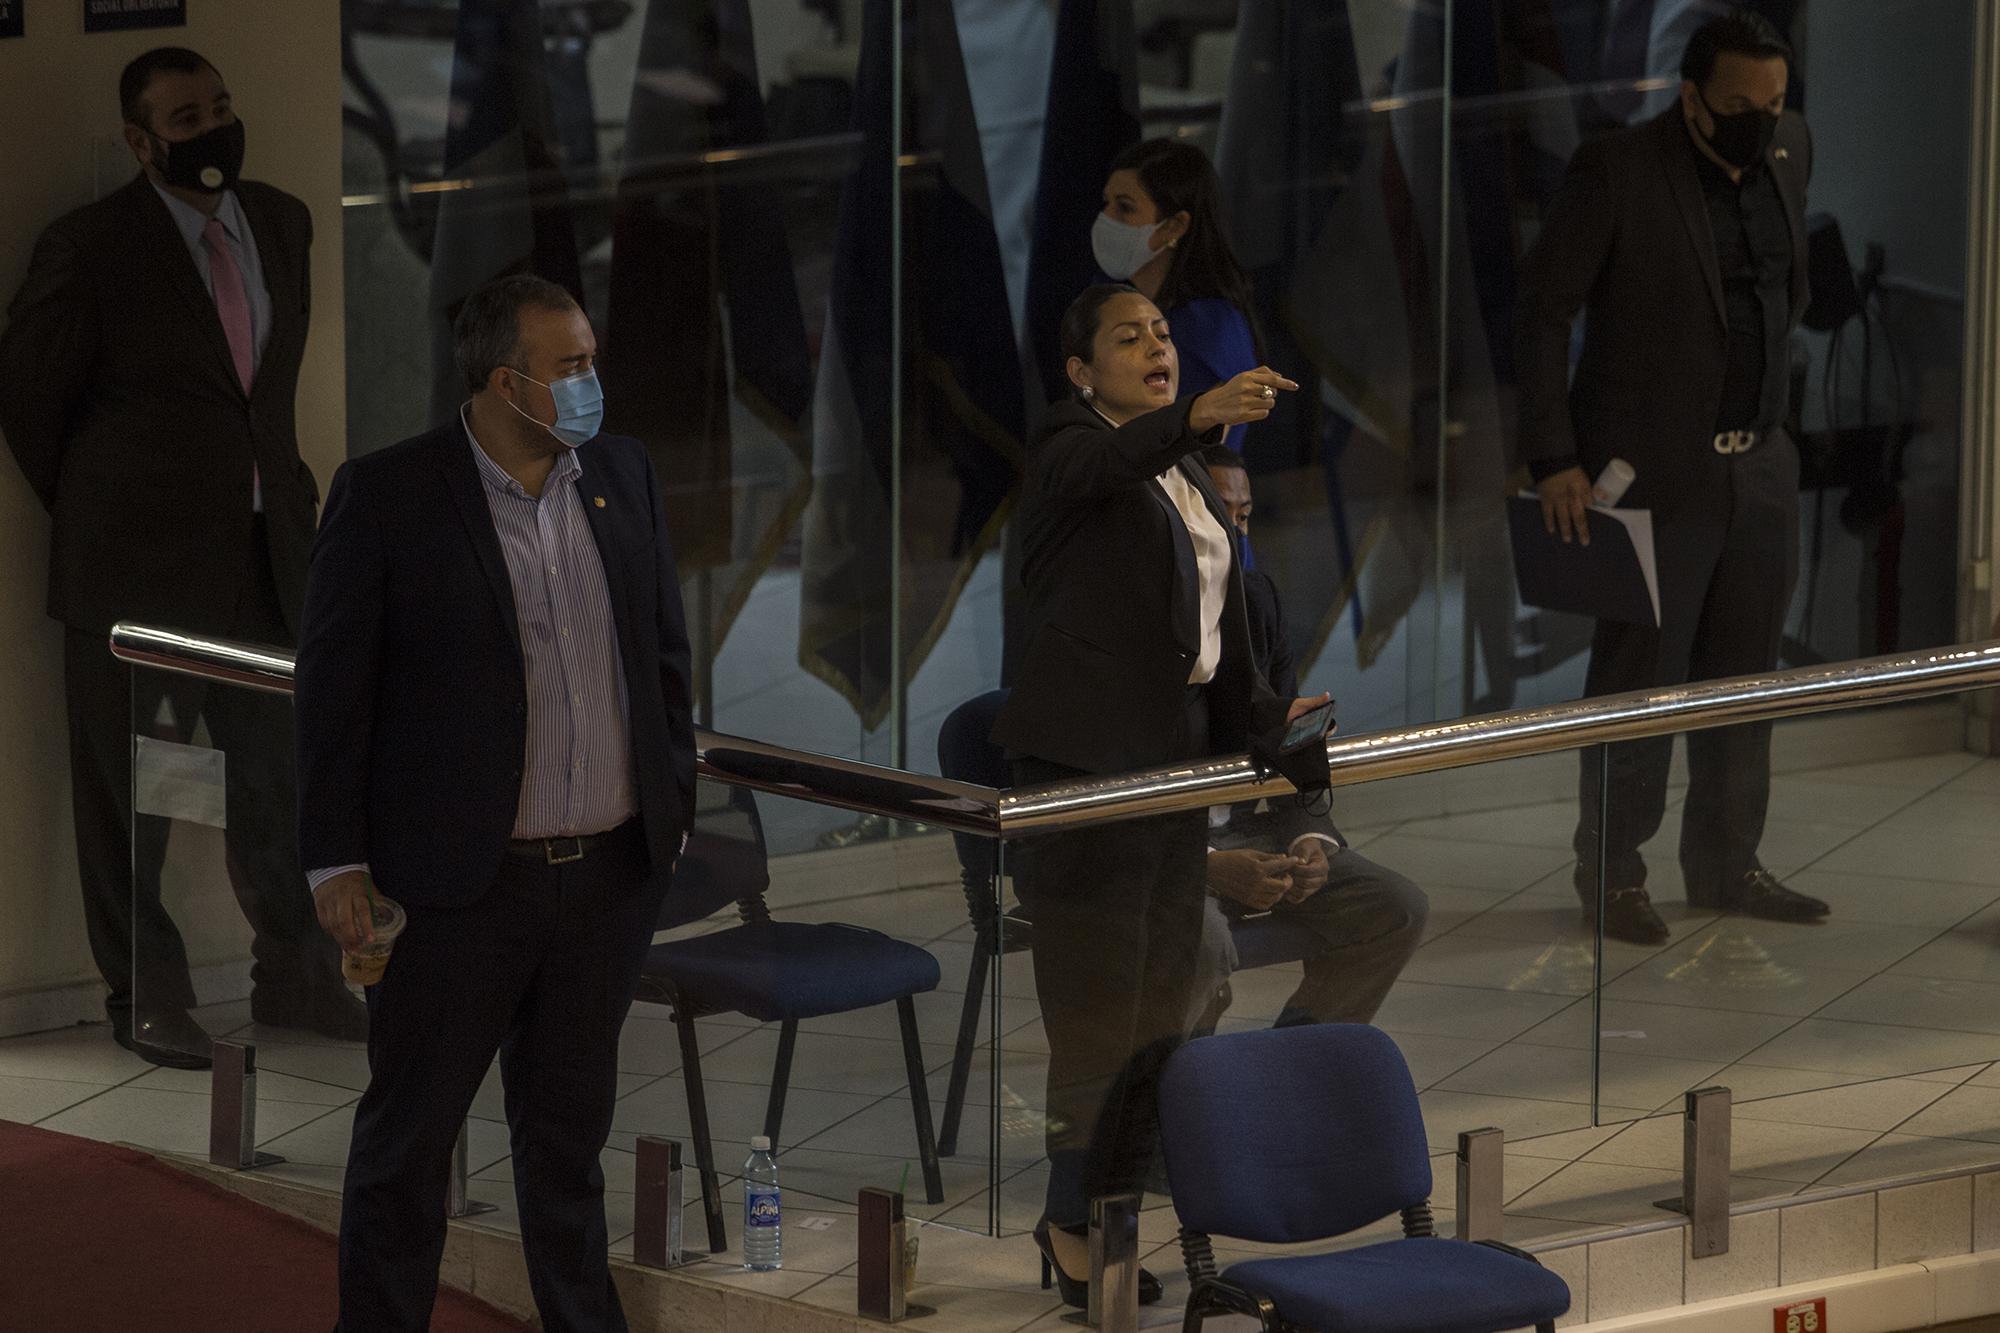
x,y
1212,555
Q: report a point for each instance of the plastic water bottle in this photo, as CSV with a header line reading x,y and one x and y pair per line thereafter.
x,y
1613,482
763,1210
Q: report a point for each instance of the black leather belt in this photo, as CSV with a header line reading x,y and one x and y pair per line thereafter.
x,y
562,851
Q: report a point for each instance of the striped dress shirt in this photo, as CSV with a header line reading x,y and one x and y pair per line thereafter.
x,y
576,776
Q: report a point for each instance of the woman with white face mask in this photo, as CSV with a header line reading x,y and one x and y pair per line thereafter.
x,y
1161,231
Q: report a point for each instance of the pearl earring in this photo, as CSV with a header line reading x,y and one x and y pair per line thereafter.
x,y
1088,393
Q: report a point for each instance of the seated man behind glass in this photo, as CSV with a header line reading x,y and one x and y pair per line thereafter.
x,y
1286,860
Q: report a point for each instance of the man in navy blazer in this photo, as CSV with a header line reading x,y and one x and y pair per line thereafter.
x,y
494,731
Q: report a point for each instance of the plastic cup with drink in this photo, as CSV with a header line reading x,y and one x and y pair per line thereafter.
x,y
365,966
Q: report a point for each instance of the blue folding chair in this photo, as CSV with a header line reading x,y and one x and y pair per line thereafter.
x,y
965,754
772,971
1301,1134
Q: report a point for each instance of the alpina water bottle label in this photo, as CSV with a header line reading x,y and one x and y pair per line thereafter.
x,y
762,1209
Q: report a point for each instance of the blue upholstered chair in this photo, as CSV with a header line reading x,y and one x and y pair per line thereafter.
x,y
965,754
1302,1134
773,971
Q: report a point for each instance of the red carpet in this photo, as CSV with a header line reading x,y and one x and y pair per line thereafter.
x,y
101,1239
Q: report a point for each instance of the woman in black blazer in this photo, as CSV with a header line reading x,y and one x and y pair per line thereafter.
x,y
1138,655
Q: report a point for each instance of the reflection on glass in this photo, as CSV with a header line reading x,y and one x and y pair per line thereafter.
x,y
828,282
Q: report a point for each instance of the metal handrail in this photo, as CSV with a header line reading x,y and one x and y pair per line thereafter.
x,y
1459,743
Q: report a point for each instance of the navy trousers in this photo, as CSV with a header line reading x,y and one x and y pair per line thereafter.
x,y
541,970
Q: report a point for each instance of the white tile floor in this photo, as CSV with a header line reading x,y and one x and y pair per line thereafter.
x,y
1861,1049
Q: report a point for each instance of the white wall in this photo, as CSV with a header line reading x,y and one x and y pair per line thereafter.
x,y
59,104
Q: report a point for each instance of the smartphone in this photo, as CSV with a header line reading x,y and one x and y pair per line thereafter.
x,y
1307,728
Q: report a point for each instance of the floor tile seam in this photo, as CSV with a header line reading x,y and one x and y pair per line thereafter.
x,y
1906,1027
299,1078
1960,924
1854,1080
128,1084
1949,1089
1821,1011
1574,1161
1488,1054
1886,968
1928,1138
1846,1129
67,1082
1656,1004
101,1091
266,1141
1449,931
1816,868
652,1081
1898,970
1824,1175
880,1099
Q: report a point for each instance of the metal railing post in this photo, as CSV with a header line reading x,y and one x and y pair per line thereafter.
x,y
1114,1264
458,1200
659,1195
232,1109
880,1286
1705,1171
1704,1196
1482,1167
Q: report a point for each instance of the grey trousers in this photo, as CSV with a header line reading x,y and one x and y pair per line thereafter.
x,y
1369,920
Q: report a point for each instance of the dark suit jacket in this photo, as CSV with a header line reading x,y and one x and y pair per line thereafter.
x,y
119,399
1269,641
1113,604
411,696
1627,241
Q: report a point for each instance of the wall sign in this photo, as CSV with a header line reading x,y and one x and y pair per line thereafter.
x,y
123,15
10,17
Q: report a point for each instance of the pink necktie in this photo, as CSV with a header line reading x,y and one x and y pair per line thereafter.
x,y
232,305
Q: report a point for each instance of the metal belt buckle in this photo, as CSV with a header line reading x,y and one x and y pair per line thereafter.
x,y
549,850
1735,441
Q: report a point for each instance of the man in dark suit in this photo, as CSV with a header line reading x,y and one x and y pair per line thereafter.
x,y
147,378
1290,861
494,727
1682,241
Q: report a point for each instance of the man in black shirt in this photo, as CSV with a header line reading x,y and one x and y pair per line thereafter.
x,y
1682,241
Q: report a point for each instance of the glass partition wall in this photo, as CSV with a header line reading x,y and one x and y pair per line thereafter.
x,y
826,245
1857,1049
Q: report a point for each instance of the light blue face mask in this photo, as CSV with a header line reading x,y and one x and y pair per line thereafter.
x,y
579,401
1121,248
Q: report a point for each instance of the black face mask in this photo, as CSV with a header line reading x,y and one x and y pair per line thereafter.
x,y
1741,139
210,162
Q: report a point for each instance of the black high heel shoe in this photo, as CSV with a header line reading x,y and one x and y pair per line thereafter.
x,y
1076,1291
1073,1292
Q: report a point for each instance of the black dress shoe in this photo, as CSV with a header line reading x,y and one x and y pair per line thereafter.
x,y
1628,916
169,1038
1076,1291
330,1010
1760,895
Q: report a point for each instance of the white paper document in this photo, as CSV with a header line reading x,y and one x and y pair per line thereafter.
x,y
179,782
1639,527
